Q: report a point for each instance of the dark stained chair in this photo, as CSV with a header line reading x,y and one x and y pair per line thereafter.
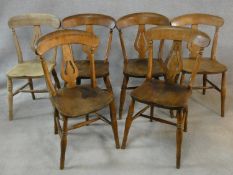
x,y
29,69
137,67
209,65
75,100
90,21
167,93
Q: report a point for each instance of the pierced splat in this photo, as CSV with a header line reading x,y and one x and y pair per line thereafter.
x,y
69,72
86,49
174,62
140,43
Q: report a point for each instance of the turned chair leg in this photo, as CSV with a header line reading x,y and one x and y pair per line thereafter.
x,y
122,96
128,123
223,93
63,143
54,73
31,88
204,83
56,116
108,84
151,113
114,123
10,98
179,137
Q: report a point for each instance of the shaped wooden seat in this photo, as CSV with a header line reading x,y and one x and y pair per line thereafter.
x,y
29,69
91,100
102,68
167,93
90,21
137,68
208,65
32,68
75,100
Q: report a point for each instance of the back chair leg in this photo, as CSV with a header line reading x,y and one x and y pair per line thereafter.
x,y
87,118
114,123
223,93
204,83
56,116
151,113
78,81
185,119
10,98
179,137
108,84
128,123
182,78
54,73
63,142
31,88
123,93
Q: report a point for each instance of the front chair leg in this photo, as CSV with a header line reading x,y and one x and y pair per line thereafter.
x,y
122,96
179,137
108,84
63,143
223,93
31,88
128,123
10,98
114,123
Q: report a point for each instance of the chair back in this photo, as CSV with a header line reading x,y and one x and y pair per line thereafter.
x,y
196,19
35,20
64,39
173,64
140,20
90,20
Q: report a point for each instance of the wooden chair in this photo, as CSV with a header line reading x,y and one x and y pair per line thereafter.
x,y
137,67
208,65
167,93
75,100
29,69
90,21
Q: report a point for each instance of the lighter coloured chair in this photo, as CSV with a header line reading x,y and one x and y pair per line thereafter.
x,y
90,21
30,69
75,100
137,67
208,65
167,93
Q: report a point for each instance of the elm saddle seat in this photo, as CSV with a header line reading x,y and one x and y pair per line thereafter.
x,y
207,66
138,68
162,94
30,68
101,68
90,100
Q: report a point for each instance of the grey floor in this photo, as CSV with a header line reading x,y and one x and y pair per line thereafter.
x,y
28,145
